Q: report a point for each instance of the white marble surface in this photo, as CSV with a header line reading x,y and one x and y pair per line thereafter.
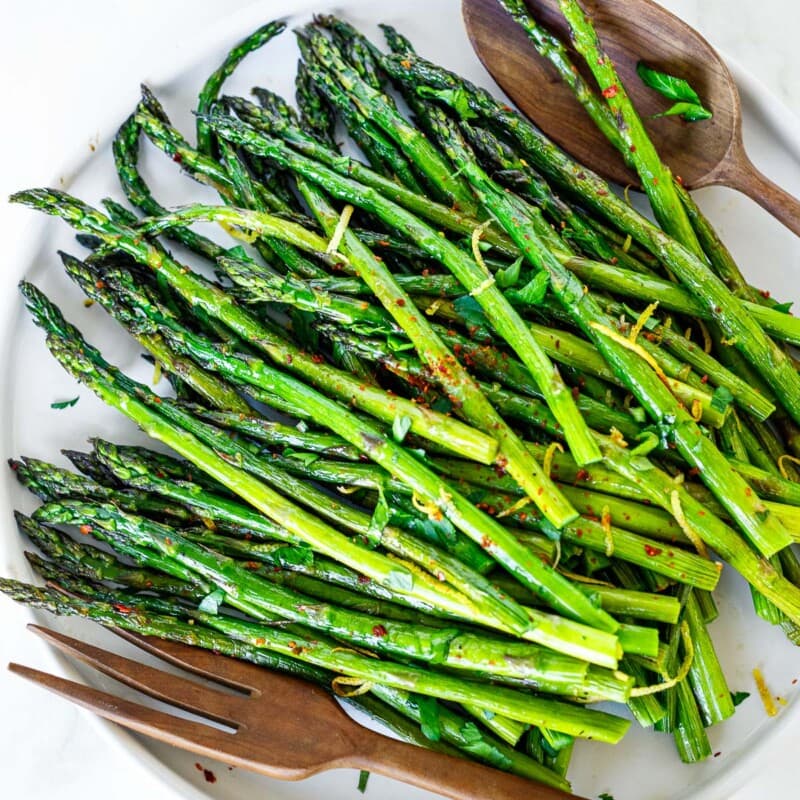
x,y
48,55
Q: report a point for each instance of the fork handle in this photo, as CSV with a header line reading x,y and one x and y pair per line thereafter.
x,y
448,776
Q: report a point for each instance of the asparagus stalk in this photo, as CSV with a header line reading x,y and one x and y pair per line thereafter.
x,y
472,276
218,305
380,109
729,488
689,268
320,652
213,84
465,393
401,464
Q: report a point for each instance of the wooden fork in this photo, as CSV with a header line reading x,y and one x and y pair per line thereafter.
x,y
283,727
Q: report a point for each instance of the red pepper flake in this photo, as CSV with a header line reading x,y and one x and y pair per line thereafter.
x,y
632,148
718,753
379,631
85,529
384,242
613,260
764,293
99,284
405,64
652,551
289,358
575,392
679,179
363,579
486,542
704,379
317,358
198,766
177,158
123,609
794,681
611,91
581,475
209,776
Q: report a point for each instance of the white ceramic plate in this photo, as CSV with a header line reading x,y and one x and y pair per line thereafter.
x,y
644,766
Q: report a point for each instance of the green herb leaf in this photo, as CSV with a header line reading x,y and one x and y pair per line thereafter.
x,y
667,85
783,307
58,405
691,112
239,253
457,99
294,555
721,399
605,796
363,779
508,277
473,742
211,602
303,457
379,520
535,290
400,427
400,579
397,344
429,717
442,404
688,103
470,311
739,697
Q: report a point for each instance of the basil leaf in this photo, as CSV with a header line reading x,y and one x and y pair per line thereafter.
x,y
294,555
739,697
64,403
471,313
691,112
535,290
429,718
363,778
400,427
211,602
508,277
721,399
306,459
688,104
667,85
380,519
605,796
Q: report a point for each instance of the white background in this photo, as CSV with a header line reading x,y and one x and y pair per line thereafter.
x,y
51,55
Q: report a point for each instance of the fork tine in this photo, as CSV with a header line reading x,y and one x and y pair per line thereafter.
x,y
228,671
178,691
189,735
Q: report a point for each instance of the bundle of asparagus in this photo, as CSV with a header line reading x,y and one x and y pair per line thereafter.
x,y
438,442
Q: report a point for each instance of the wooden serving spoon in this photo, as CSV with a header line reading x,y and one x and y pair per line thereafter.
x,y
701,153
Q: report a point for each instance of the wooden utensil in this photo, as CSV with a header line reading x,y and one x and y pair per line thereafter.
x,y
284,727
701,153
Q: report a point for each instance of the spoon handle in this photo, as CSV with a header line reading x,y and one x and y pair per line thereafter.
x,y
746,178
445,775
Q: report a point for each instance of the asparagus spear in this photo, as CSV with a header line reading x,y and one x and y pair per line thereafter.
x,y
322,652
472,276
691,269
213,84
217,304
729,488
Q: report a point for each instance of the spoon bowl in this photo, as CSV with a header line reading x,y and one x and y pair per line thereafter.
x,y
701,153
